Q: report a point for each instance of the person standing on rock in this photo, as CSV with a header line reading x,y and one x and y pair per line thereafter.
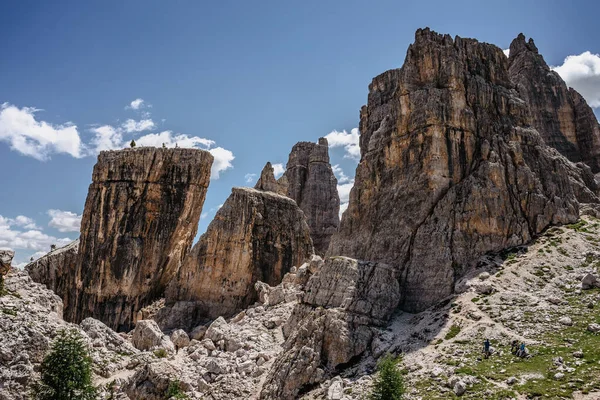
x,y
486,348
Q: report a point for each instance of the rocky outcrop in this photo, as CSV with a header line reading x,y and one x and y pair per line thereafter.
x,y
333,324
451,169
54,268
267,181
255,236
6,257
560,114
140,218
310,181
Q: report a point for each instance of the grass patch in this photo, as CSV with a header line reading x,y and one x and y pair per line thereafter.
x,y
454,330
160,353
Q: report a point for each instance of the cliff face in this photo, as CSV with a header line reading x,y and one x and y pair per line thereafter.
x,y
55,269
451,169
560,115
310,181
255,236
140,218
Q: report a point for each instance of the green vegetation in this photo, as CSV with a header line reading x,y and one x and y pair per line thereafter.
x,y
389,384
454,330
160,353
66,372
175,391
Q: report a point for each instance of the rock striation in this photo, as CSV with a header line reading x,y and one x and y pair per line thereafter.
x,y
333,323
255,236
559,113
140,217
54,268
451,168
309,180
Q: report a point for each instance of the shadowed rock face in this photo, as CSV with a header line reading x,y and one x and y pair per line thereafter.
x,y
451,169
255,236
55,268
310,181
560,115
140,218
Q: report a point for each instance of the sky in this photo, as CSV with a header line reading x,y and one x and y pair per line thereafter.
x,y
245,80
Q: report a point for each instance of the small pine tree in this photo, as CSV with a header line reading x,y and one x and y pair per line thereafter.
x,y
132,144
66,372
389,384
52,247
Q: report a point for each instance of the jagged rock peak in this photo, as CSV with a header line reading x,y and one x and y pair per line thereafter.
x,y
255,236
54,268
140,217
449,162
560,114
310,181
267,181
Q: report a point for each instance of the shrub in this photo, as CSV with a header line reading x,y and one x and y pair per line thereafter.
x,y
388,385
175,391
160,353
66,372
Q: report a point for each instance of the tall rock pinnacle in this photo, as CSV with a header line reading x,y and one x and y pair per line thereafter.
x,y
255,236
310,181
560,115
140,217
451,168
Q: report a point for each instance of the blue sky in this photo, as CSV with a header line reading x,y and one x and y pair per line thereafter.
x,y
245,79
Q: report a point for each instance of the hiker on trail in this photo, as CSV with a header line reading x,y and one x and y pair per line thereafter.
x,y
521,352
514,347
486,348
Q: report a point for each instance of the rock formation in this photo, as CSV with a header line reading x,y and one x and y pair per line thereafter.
x,y
6,257
333,323
140,217
310,181
451,169
54,268
267,181
255,236
560,114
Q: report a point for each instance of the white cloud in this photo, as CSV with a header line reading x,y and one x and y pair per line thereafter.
x,y
582,73
203,215
223,159
64,221
28,240
339,173
506,52
131,125
136,104
249,178
107,138
170,140
37,139
343,207
349,141
25,222
344,191
278,170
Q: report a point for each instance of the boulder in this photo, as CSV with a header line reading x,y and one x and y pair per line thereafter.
x,y
152,381
180,339
590,281
147,335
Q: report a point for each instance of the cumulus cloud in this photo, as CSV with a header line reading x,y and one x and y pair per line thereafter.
x,y
223,159
582,73
249,178
106,138
349,141
344,193
38,139
170,139
16,236
506,52
131,125
64,221
136,104
278,170
343,207
339,174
